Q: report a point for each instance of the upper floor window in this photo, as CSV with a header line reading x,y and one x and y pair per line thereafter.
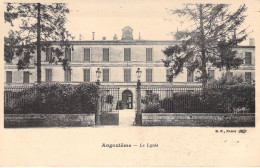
x,y
86,54
248,58
149,75
67,74
48,54
127,54
48,75
211,74
127,75
86,75
189,76
105,75
9,77
68,53
149,54
105,54
26,77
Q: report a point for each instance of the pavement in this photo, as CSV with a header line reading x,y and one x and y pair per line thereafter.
x,y
126,117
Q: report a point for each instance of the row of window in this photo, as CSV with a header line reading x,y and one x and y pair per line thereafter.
x,y
106,77
106,55
127,55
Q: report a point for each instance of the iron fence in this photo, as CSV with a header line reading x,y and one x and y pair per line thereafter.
x,y
198,99
109,97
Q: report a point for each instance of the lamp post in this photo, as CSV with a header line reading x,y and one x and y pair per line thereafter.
x,y
138,116
98,74
98,114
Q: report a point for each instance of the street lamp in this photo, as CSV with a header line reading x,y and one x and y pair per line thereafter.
x,y
138,74
138,116
98,74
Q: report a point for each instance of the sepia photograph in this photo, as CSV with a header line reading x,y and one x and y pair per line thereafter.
x,y
130,66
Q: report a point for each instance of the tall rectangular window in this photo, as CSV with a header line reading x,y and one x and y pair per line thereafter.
x,y
86,54
248,58
127,75
189,76
149,54
105,75
26,77
248,77
48,75
67,75
149,75
105,54
48,54
127,54
211,74
9,78
86,75
68,53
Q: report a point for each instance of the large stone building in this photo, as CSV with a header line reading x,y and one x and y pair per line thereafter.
x,y
118,61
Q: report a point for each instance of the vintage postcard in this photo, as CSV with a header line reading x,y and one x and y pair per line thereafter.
x,y
129,83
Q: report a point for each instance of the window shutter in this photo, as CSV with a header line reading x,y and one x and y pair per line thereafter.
x,y
211,74
149,75
127,75
127,54
105,75
248,58
105,54
48,75
8,76
189,76
149,54
248,77
68,75
47,54
86,75
68,54
86,54
26,77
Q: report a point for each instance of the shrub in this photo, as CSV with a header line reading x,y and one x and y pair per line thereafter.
x,y
212,99
153,108
55,98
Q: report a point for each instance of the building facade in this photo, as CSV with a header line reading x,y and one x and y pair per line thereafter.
x,y
118,61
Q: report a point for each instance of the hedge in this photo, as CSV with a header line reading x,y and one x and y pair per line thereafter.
x,y
54,98
228,99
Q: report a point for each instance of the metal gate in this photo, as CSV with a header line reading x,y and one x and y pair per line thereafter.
x,y
109,100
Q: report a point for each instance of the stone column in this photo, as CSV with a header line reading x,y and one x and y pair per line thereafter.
x,y
138,116
98,113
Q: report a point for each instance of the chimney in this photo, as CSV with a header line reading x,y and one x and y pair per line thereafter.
x,y
93,35
104,38
115,37
139,36
252,42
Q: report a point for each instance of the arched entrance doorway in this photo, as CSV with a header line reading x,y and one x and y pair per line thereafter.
x,y
127,99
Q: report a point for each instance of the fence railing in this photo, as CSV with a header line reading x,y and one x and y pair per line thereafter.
x,y
198,99
109,98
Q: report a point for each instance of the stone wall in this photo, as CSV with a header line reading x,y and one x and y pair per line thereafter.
x,y
198,119
48,120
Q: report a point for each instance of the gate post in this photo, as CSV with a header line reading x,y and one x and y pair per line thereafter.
x,y
138,116
98,113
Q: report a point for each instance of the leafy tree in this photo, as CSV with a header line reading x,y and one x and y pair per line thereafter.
x,y
210,38
40,25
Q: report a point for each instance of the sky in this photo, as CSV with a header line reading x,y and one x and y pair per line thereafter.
x,y
150,18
